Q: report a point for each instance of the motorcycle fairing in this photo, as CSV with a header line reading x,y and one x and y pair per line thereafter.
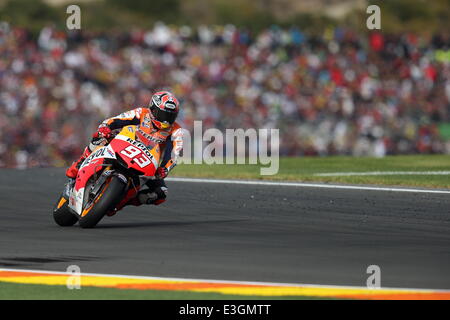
x,y
134,153
130,132
91,165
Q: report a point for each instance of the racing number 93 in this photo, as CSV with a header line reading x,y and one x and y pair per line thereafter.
x,y
136,155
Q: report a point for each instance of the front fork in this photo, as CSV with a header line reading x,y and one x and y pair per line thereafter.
x,y
68,187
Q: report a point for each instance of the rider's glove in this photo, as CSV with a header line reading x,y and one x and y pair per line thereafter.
x,y
161,173
104,132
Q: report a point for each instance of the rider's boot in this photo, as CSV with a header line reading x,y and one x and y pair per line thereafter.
x,y
156,197
146,198
143,197
72,171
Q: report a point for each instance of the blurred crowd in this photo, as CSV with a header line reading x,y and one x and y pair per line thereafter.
x,y
337,93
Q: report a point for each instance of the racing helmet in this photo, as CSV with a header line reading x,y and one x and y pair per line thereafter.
x,y
164,109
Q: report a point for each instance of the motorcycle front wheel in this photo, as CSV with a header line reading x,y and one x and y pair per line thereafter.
x,y
62,215
106,199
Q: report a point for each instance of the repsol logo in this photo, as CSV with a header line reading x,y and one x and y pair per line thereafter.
x,y
151,138
140,146
96,154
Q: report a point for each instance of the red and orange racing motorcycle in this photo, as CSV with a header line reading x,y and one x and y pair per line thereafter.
x,y
107,179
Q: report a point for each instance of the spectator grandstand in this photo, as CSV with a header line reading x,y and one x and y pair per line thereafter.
x,y
340,93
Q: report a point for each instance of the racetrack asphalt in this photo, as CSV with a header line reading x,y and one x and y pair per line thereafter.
x,y
235,232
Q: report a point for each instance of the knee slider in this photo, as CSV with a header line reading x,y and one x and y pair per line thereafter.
x,y
162,192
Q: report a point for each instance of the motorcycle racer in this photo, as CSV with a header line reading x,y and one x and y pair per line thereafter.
x,y
157,126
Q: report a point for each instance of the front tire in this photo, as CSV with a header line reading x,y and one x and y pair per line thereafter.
x,y
62,215
108,197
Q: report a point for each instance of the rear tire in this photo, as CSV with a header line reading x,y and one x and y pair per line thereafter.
x,y
109,198
62,215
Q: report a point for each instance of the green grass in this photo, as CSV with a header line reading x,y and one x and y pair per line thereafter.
x,y
302,169
16,291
